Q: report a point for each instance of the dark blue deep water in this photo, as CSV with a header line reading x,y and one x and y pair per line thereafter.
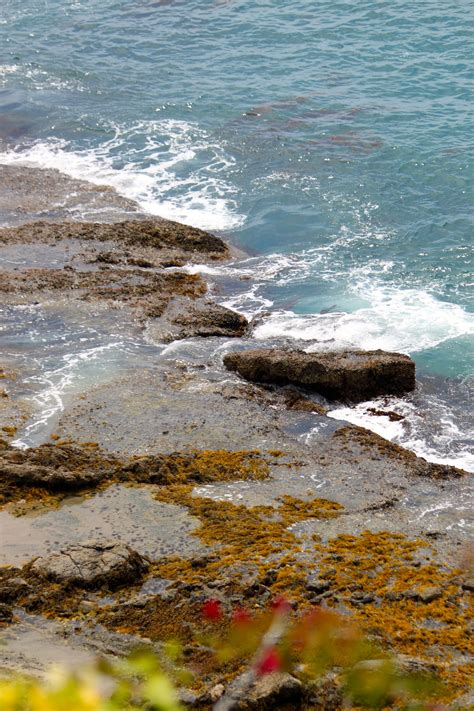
x,y
332,140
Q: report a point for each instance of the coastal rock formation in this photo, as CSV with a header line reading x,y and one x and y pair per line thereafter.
x,y
185,318
352,376
125,265
28,193
92,564
10,590
156,234
53,467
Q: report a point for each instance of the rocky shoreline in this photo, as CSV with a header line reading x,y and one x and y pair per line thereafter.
x,y
187,477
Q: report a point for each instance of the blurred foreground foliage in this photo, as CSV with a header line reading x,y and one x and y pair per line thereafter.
x,y
308,646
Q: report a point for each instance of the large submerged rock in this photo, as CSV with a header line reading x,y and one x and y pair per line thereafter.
x,y
92,564
352,376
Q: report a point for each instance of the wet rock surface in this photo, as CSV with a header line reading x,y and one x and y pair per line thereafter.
x,y
156,233
93,563
28,194
127,265
197,485
184,318
352,376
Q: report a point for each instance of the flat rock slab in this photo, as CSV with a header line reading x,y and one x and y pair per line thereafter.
x,y
92,564
62,467
352,376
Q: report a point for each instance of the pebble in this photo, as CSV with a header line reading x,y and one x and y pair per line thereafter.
x,y
429,594
317,585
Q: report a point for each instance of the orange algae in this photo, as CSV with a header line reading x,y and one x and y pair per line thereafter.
x,y
378,563
382,565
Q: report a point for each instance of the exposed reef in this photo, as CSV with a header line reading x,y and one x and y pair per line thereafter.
x,y
127,265
171,480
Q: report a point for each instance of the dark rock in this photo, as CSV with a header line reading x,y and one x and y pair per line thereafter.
x,y
347,375
23,474
361,598
53,467
413,665
317,584
138,262
6,613
273,691
318,599
425,594
92,564
294,400
10,590
184,318
393,596
392,416
468,584
107,258
325,694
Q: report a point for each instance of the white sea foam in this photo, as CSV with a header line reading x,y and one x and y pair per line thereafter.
x,y
405,320
54,387
173,169
429,430
8,69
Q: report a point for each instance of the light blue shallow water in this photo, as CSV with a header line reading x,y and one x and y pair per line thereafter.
x,y
334,140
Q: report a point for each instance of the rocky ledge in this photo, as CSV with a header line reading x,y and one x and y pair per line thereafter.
x,y
133,265
352,376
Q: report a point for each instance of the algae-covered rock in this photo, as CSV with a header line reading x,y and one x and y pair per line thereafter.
x,y
92,564
156,233
346,375
11,589
6,613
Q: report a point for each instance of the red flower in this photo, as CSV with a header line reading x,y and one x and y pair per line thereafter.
x,y
270,662
281,604
212,610
241,616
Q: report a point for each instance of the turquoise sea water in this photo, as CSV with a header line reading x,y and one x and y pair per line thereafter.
x,y
332,140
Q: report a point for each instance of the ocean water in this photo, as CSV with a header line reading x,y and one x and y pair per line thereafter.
x,y
333,141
